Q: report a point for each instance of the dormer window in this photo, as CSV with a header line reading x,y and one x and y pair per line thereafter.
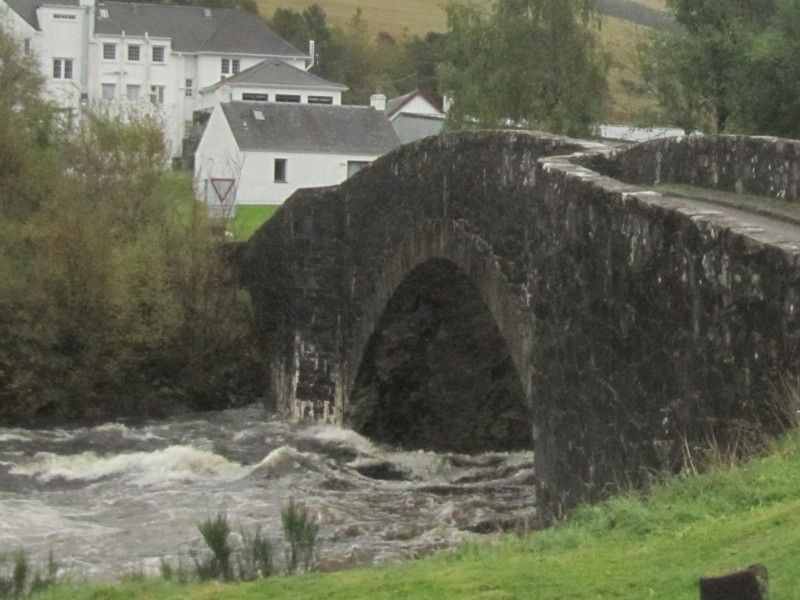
x,y
103,12
230,66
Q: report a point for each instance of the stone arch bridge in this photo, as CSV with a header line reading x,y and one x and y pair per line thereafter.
x,y
506,289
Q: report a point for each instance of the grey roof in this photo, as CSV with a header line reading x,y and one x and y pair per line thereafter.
x,y
279,73
27,8
224,31
310,128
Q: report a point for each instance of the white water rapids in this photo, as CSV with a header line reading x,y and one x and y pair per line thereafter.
x,y
116,499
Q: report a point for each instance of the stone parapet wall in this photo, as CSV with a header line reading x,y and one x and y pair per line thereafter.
x,y
764,166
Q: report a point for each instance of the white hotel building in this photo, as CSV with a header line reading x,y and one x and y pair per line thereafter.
x,y
150,58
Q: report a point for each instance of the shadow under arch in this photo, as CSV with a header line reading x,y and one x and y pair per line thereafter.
x,y
436,373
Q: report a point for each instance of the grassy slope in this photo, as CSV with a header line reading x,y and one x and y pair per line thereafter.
x,y
417,17
628,547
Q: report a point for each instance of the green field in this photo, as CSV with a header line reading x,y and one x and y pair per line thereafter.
x,y
250,218
631,547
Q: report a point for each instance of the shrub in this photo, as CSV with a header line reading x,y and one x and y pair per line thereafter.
x,y
217,565
256,558
300,533
18,578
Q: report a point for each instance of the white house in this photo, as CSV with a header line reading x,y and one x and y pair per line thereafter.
x,y
261,152
272,81
151,58
414,116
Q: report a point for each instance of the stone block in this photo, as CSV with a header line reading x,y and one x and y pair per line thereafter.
x,y
750,584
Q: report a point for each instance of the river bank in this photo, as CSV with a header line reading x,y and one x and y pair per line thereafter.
x,y
631,547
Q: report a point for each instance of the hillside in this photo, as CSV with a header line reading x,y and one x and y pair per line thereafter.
x,y
414,17
417,17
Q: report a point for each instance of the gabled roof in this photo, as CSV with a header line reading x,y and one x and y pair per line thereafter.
x,y
310,128
27,9
274,72
194,28
395,105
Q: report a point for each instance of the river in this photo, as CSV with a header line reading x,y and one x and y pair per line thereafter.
x,y
120,498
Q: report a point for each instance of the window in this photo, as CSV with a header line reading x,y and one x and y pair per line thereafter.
x,y
354,166
103,13
189,86
109,51
27,46
159,52
63,17
255,97
286,98
63,68
109,91
133,92
280,170
230,66
320,99
134,53
157,94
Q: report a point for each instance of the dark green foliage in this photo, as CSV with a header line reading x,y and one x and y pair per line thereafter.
x,y
217,565
20,579
300,534
256,558
531,63
115,296
733,67
253,560
350,55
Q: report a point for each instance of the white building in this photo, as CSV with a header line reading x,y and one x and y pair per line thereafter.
x,y
150,58
414,116
272,81
262,152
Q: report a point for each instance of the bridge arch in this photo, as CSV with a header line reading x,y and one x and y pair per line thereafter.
x,y
436,373
633,319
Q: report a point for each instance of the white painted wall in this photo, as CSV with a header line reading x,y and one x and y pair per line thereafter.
x,y
258,186
234,92
420,106
219,156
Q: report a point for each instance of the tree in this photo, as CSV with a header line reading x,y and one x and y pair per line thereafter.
x,y
697,74
531,62
111,287
768,89
26,131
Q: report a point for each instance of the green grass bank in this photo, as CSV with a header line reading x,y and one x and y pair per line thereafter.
x,y
633,546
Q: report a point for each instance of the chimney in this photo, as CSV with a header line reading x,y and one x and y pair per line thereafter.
x,y
312,54
378,100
